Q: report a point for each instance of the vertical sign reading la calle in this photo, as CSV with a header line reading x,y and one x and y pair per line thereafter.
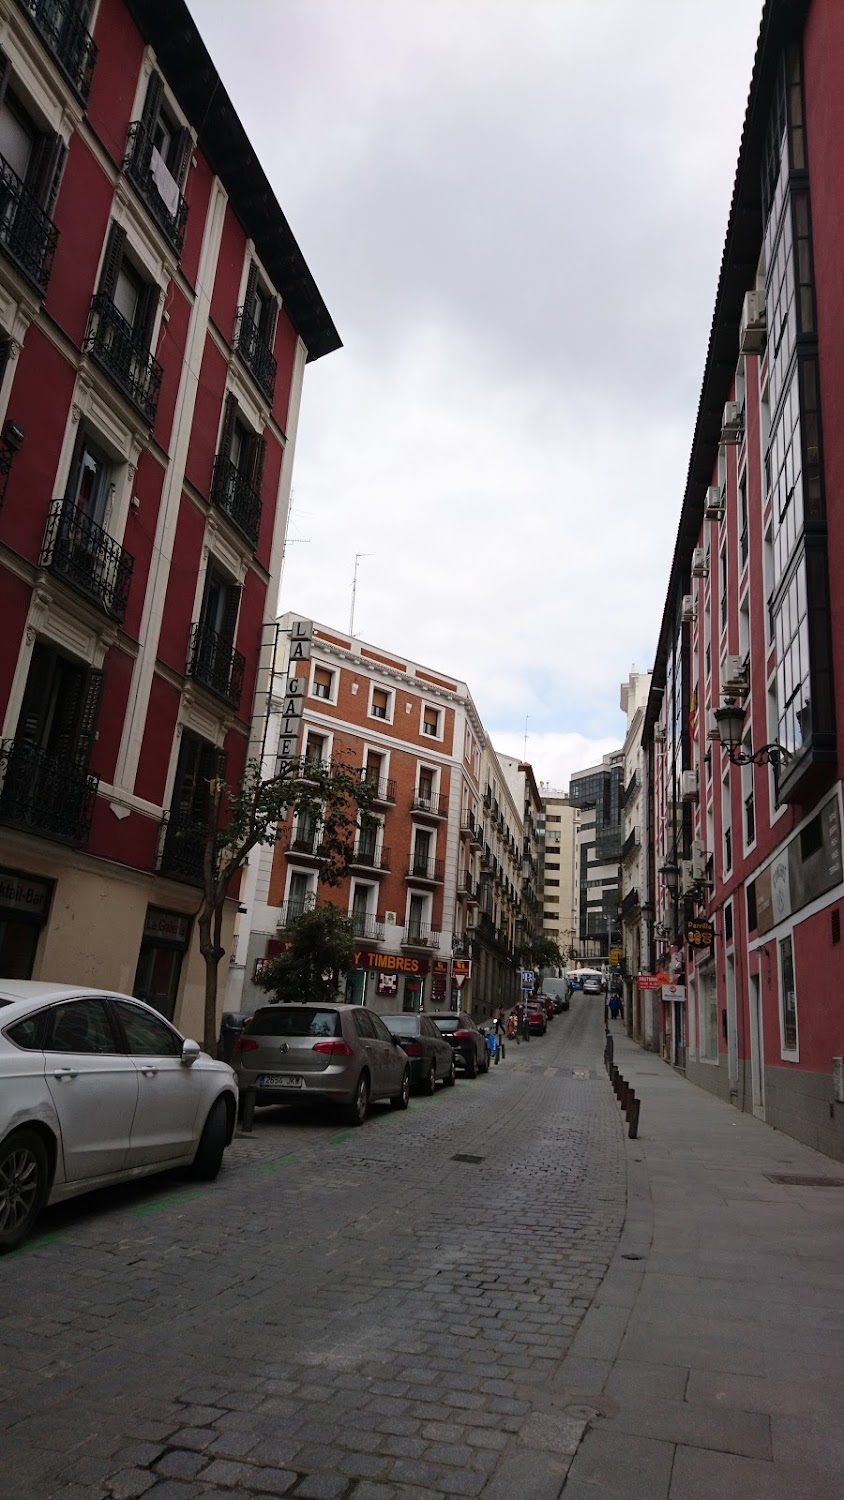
x,y
301,634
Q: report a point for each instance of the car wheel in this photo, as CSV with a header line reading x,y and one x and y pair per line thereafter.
x,y
484,1066
356,1111
24,1184
451,1076
471,1066
401,1101
212,1143
431,1084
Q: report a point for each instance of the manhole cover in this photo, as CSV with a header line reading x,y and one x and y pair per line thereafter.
x,y
789,1179
462,1157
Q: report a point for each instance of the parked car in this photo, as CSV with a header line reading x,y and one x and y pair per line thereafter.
x,y
593,985
547,1002
470,1051
537,1019
97,1088
431,1056
558,990
576,982
322,1054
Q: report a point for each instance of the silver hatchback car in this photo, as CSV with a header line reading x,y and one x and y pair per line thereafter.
x,y
335,1054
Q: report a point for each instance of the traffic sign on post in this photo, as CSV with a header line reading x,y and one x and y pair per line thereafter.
x,y
527,979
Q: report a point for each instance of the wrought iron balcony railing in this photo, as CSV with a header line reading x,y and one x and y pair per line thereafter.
x,y
430,803
372,856
255,352
213,661
420,935
304,841
383,788
366,926
27,235
181,854
60,28
87,558
47,794
236,498
116,347
295,908
149,174
426,869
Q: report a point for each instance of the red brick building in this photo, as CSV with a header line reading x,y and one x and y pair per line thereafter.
x,y
745,723
156,316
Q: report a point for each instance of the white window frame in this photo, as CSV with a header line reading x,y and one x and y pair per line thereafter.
x,y
786,1053
308,727
335,681
391,703
438,737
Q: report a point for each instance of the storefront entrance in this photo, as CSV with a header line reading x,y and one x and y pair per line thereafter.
x,y
24,909
166,937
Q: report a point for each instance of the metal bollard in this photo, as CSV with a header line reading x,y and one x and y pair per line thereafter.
x,y
608,1051
633,1128
248,1115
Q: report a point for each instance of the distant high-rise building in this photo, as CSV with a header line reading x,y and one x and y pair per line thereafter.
x,y
596,791
558,826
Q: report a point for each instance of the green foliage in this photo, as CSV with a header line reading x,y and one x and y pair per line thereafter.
x,y
322,947
542,953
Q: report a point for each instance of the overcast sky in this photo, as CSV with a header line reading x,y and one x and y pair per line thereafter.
x,y
515,211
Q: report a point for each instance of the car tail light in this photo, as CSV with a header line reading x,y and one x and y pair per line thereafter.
x,y
246,1044
333,1049
412,1049
462,1036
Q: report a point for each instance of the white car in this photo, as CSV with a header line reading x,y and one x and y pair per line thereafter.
x,y
97,1088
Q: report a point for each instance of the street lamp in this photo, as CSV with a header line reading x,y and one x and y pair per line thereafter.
x,y
730,722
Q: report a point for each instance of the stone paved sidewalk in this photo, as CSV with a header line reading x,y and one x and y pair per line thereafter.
x,y
345,1313
711,1355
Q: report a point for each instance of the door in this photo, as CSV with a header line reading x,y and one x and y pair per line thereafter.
x,y
757,1049
732,1032
165,1124
372,1052
392,1060
94,1087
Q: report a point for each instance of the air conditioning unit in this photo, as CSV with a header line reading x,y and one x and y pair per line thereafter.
x,y
700,563
688,609
731,422
689,786
752,328
390,918
734,675
698,860
687,883
713,505
659,734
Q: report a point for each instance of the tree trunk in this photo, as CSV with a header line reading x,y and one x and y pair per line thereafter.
x,y
212,953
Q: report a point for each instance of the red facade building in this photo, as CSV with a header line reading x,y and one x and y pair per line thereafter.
x,y
156,316
745,722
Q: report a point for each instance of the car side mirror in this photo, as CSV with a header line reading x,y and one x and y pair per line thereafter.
x,y
190,1052
396,1041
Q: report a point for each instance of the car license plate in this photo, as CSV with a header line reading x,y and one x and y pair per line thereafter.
x,y
280,1081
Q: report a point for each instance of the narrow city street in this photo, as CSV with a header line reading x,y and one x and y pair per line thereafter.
x,y
356,1313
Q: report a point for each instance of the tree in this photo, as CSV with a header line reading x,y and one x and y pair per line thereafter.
x,y
541,952
328,798
322,947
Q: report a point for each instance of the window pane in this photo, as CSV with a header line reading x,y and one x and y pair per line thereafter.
x,y
294,1021
81,1026
145,1036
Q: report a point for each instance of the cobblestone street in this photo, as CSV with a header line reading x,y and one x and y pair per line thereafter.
x,y
344,1313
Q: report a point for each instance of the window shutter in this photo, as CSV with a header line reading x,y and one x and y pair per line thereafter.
x,y
227,429
152,103
33,709
4,75
179,156
115,246
67,713
230,609
251,289
92,697
45,171
256,463
145,315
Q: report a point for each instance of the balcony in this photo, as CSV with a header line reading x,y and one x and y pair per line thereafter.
x,y
430,871
304,843
116,348
630,904
87,558
292,910
631,843
420,935
370,857
368,927
383,790
236,498
213,662
153,182
61,30
631,787
182,851
46,794
255,352
430,805
27,235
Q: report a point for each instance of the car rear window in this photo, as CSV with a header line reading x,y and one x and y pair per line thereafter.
x,y
402,1025
29,1033
446,1023
296,1021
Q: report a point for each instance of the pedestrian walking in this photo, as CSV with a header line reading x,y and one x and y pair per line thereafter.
x,y
615,1007
500,1032
512,1028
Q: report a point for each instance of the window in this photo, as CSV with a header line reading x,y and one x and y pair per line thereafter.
x,y
708,1013
723,586
315,748
425,793
198,765
374,768
298,896
121,326
752,919
238,471
90,483
552,883
213,659
81,1026
380,706
31,165
788,998
743,520
431,721
421,852
255,332
322,683
417,917
156,160
283,1020
145,1035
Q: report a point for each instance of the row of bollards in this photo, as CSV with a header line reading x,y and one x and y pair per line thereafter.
x,y
625,1095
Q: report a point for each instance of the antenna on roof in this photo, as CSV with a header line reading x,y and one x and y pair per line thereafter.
x,y
358,556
